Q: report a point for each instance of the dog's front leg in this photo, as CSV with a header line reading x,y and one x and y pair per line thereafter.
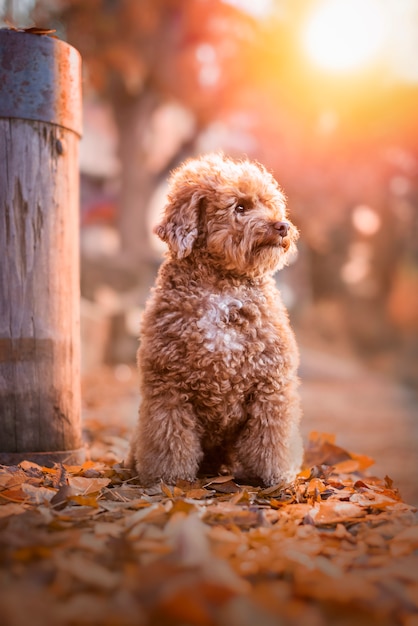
x,y
269,448
165,445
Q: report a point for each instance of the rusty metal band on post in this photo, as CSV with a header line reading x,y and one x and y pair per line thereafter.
x,y
40,79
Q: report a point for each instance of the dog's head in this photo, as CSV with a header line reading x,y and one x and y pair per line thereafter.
x,y
231,212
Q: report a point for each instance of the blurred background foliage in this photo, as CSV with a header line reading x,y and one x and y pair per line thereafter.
x,y
323,92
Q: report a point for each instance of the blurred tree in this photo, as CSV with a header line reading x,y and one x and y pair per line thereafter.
x,y
338,143
139,54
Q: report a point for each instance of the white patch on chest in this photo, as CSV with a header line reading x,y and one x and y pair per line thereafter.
x,y
215,324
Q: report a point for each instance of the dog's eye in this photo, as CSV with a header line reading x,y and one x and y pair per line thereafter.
x,y
240,208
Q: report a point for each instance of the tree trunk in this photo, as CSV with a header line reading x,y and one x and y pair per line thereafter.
x,y
39,266
138,182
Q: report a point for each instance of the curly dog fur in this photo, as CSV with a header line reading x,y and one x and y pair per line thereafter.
x,y
218,358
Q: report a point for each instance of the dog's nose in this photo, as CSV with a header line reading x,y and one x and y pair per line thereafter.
x,y
282,227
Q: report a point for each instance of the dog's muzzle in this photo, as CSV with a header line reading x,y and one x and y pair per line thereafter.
x,y
282,228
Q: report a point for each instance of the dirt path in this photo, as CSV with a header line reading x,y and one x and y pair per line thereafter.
x,y
368,413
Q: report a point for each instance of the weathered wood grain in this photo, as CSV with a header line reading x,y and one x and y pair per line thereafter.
x,y
39,289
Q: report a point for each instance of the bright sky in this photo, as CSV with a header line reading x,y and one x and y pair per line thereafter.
x,y
342,35
348,35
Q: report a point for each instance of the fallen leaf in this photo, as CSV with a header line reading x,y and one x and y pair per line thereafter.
x,y
218,480
405,542
346,467
364,461
13,495
35,30
12,508
85,486
60,499
199,494
315,485
166,490
38,495
87,571
226,487
335,512
85,500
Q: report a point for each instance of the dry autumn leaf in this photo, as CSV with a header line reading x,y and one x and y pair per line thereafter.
x,y
244,554
84,486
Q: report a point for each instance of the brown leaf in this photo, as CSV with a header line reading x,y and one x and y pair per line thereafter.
x,y
85,486
218,480
37,495
35,30
60,478
12,508
223,512
388,482
324,453
12,477
226,487
60,499
275,490
87,571
30,465
199,494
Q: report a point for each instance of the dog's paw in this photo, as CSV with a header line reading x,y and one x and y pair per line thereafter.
x,y
282,477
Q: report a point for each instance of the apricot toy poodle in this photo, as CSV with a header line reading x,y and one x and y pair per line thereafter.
x,y
217,357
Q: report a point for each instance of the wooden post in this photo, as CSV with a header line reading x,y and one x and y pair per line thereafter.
x,y
40,126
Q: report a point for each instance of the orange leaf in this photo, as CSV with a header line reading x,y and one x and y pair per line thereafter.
x,y
185,606
198,494
166,490
315,485
14,495
319,437
363,460
31,553
77,469
85,500
346,467
334,512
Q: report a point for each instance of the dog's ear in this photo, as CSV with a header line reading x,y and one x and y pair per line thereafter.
x,y
179,228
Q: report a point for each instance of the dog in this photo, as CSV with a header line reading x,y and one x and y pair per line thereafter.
x,y
217,358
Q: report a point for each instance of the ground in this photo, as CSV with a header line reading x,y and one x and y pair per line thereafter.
x,y
87,545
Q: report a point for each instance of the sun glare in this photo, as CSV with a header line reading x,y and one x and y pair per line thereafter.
x,y
344,35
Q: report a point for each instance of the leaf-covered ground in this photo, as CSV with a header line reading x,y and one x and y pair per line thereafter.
x,y
88,545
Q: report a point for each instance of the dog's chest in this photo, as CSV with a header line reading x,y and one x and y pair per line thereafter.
x,y
234,329
220,324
